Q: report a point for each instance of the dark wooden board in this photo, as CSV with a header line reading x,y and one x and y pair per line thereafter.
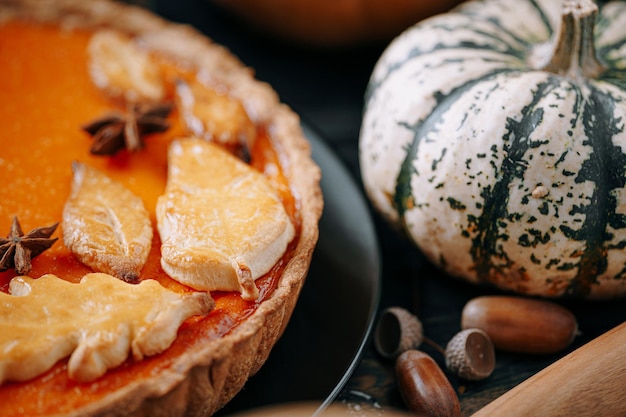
x,y
326,87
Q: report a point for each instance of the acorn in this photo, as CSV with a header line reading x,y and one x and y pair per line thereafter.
x,y
425,389
520,324
397,330
470,355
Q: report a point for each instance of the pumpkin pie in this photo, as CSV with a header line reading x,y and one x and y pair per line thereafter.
x,y
160,207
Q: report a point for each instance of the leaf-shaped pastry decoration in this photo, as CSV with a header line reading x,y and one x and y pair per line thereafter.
x,y
96,322
121,68
106,225
222,225
213,115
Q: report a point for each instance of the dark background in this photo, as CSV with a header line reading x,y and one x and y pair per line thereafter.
x,y
326,88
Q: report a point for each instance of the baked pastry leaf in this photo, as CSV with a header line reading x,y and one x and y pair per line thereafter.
x,y
222,225
106,225
97,323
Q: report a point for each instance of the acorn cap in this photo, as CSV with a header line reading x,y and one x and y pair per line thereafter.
x,y
397,330
470,355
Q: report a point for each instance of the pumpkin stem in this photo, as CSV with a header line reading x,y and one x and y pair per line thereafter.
x,y
574,52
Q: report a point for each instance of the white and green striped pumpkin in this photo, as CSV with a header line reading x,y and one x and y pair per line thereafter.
x,y
494,136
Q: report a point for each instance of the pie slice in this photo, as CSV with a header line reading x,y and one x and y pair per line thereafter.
x,y
222,225
109,88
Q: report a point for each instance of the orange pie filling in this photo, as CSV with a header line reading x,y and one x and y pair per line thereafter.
x,y
48,93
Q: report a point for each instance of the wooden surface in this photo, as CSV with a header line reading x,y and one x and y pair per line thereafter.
x,y
326,88
585,383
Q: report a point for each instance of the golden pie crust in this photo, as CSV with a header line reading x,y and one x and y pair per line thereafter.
x,y
205,376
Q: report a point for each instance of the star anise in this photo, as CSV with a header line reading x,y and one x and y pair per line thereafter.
x,y
115,131
17,250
